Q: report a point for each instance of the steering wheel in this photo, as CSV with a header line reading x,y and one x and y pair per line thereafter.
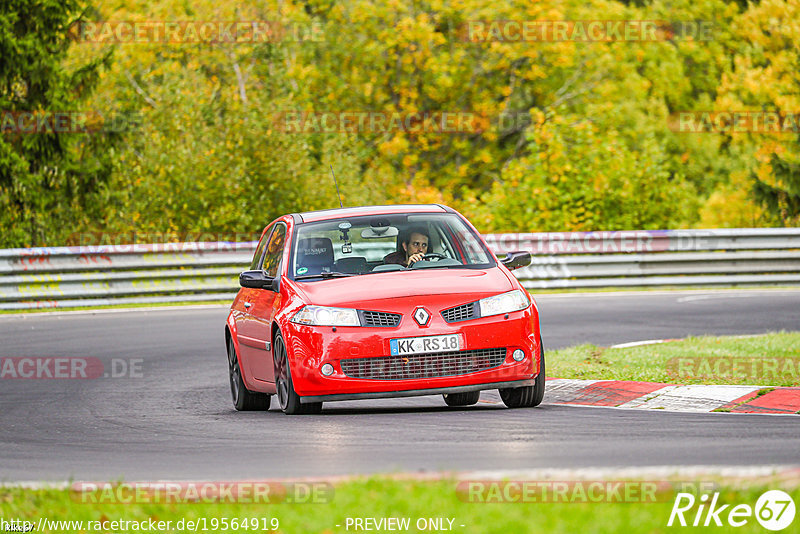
x,y
431,255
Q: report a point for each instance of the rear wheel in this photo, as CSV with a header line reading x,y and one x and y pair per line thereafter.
x,y
287,397
243,399
526,396
462,399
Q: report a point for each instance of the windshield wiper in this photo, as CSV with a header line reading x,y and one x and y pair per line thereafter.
x,y
324,276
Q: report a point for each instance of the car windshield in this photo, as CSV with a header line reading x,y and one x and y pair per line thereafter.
x,y
381,243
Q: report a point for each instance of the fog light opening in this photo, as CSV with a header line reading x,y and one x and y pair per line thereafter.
x,y
327,369
518,355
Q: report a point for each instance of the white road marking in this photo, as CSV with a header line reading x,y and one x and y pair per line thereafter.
x,y
695,398
639,343
562,387
738,294
659,472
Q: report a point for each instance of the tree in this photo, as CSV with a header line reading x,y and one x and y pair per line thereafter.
x,y
578,178
765,79
573,134
47,178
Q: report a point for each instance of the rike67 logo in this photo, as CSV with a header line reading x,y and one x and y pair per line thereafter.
x,y
774,510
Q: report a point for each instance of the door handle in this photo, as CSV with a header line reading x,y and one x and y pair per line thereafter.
x,y
248,304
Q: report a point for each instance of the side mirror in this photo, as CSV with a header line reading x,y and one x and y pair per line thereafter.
x,y
258,280
516,259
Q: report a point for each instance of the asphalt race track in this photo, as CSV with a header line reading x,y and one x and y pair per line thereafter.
x,y
176,421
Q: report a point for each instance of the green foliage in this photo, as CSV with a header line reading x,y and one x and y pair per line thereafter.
x,y
579,178
48,181
782,197
210,154
764,78
565,135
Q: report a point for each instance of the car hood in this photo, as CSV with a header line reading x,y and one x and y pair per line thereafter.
x,y
358,291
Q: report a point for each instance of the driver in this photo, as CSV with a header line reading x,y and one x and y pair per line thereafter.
x,y
415,246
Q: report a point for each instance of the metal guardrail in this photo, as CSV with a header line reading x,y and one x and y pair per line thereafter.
x,y
59,277
647,258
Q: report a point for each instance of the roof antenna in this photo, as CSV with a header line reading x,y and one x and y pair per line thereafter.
x,y
337,187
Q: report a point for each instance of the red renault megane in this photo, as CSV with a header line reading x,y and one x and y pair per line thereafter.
x,y
381,301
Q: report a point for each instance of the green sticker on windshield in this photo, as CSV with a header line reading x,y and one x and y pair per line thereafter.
x,y
302,270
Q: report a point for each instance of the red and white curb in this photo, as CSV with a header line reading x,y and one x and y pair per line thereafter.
x,y
671,397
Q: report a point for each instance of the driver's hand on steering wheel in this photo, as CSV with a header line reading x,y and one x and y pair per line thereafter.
x,y
415,258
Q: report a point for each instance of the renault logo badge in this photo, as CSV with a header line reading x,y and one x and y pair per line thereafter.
x,y
421,316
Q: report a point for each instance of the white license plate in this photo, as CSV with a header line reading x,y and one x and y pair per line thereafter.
x,y
421,345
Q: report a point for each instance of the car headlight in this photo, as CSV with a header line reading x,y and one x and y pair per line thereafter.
x,y
504,303
326,316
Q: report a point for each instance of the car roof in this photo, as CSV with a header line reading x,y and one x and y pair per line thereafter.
x,y
322,215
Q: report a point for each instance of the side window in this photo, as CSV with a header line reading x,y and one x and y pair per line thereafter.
x,y
260,251
272,258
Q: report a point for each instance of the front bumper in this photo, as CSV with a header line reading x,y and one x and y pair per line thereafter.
x,y
415,392
309,347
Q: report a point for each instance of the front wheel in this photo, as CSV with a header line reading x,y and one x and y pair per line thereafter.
x,y
288,398
243,399
526,396
462,399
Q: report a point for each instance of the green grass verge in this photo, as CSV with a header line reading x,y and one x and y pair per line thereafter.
x,y
382,497
767,360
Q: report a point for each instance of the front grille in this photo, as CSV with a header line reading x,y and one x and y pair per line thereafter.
x,y
424,365
461,313
373,318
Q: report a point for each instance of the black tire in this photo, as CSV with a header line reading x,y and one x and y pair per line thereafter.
x,y
526,396
462,399
288,399
244,400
